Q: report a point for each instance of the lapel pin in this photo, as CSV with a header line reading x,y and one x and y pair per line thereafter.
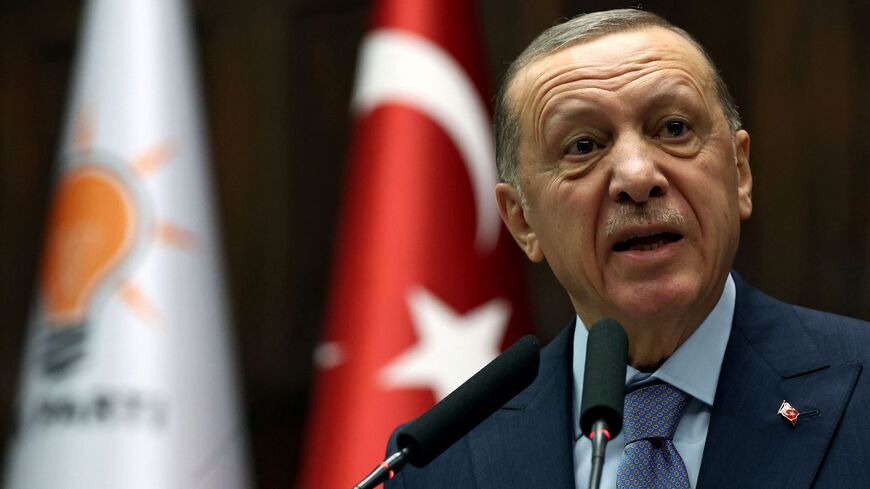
x,y
788,412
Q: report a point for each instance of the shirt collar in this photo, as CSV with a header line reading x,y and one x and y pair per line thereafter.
x,y
694,366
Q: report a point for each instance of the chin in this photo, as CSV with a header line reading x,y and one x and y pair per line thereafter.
x,y
659,299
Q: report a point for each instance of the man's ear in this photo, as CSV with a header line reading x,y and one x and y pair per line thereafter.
x,y
510,207
744,174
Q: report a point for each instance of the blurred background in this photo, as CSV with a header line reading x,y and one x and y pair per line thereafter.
x,y
277,79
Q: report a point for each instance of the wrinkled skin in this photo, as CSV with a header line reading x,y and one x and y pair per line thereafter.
x,y
621,125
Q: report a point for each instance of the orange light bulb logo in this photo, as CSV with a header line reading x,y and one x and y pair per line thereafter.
x,y
91,230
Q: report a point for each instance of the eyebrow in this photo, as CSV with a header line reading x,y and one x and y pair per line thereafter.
x,y
676,89
571,109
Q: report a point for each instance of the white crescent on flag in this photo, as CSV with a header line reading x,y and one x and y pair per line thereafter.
x,y
396,66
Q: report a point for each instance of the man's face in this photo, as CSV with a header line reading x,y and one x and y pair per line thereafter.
x,y
635,184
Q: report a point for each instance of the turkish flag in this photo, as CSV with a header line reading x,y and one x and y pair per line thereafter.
x,y
427,283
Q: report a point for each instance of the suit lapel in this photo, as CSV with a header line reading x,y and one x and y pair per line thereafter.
x,y
771,357
528,443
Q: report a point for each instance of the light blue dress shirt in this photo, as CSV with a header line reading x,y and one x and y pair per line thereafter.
x,y
694,368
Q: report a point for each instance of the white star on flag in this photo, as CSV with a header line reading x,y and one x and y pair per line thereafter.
x,y
451,347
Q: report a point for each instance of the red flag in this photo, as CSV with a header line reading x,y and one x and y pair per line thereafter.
x,y
427,285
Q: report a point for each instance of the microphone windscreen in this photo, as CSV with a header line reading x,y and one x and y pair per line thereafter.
x,y
604,378
471,403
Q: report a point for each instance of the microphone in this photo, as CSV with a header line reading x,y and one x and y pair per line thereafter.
x,y
466,407
603,390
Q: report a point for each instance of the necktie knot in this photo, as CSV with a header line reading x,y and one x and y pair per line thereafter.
x,y
653,411
650,459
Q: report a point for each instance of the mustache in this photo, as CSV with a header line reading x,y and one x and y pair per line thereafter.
x,y
653,212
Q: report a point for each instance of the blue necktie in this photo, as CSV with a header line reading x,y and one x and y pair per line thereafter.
x,y
650,460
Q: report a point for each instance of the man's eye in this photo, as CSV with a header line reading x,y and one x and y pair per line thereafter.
x,y
673,129
582,146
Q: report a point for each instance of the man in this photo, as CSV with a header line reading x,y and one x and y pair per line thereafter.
x,y
623,164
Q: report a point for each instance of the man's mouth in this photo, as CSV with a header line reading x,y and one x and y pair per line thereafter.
x,y
647,243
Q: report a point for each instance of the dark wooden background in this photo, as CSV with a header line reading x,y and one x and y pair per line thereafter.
x,y
277,77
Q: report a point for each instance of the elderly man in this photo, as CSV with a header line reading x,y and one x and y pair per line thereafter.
x,y
623,165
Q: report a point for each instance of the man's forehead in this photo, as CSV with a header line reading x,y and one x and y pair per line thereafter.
x,y
611,54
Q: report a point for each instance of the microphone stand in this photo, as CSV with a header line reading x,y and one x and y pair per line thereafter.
x,y
600,436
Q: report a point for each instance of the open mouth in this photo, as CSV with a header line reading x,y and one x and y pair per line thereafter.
x,y
647,243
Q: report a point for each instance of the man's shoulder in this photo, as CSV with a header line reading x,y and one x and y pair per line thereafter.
x,y
832,323
845,336
816,317
842,335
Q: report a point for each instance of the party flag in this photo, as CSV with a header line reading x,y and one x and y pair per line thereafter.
x,y
128,379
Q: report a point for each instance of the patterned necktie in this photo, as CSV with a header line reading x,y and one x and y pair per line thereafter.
x,y
650,460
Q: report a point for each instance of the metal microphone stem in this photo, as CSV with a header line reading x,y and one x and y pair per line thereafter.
x,y
600,436
386,470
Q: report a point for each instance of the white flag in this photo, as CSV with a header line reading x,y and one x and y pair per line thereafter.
x,y
128,379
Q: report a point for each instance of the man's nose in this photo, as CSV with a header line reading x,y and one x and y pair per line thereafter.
x,y
636,175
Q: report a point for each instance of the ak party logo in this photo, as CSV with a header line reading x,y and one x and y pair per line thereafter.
x,y
100,225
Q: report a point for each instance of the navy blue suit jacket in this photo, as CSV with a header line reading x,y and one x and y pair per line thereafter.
x,y
776,352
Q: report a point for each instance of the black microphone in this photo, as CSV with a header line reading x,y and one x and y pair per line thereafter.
x,y
603,390
466,407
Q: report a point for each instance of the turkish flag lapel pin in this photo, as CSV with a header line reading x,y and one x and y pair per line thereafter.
x,y
788,412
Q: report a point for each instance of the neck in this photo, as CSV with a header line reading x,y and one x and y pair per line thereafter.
x,y
653,339
649,345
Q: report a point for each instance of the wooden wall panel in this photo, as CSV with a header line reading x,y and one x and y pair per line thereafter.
x,y
808,113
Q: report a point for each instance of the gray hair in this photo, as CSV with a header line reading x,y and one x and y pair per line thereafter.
x,y
582,28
